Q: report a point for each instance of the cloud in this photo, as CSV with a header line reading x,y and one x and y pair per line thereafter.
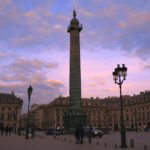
x,y
5,3
3,54
54,83
32,33
85,13
147,67
25,65
29,28
112,25
42,91
22,69
115,26
17,76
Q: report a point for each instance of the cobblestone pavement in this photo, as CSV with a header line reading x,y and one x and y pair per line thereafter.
x,y
67,142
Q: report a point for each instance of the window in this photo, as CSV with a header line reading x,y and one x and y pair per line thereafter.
x,y
2,116
8,117
147,115
127,118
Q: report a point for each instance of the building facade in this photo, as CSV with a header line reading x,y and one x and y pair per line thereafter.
x,y
10,110
36,116
54,113
103,113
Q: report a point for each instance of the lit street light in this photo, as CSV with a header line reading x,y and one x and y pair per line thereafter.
x,y
29,95
119,75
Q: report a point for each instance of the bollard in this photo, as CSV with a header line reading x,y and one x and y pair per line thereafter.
x,y
97,143
145,147
131,143
65,139
69,140
54,137
105,144
115,146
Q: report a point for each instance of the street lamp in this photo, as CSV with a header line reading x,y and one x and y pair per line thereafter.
x,y
20,128
29,95
119,75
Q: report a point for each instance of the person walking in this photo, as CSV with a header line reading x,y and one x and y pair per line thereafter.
x,y
9,130
90,134
6,130
32,132
2,128
77,134
81,131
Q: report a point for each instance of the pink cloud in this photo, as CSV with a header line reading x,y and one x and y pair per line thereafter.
x,y
85,13
143,18
122,24
54,82
5,3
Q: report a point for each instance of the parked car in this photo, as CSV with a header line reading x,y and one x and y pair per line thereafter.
x,y
53,132
147,129
95,132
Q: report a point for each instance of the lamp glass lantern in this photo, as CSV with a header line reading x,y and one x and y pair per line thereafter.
x,y
124,71
30,90
115,76
118,70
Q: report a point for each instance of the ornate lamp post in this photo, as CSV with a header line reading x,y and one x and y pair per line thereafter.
x,y
20,127
119,75
29,95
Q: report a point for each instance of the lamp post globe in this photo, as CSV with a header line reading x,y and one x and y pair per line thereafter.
x,y
119,75
29,96
30,91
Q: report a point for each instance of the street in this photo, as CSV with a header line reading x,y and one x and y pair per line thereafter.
x,y
110,141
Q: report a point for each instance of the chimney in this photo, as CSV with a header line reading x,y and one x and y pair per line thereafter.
x,y
12,92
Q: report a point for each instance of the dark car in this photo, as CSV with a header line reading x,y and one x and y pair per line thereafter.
x,y
147,129
53,132
95,132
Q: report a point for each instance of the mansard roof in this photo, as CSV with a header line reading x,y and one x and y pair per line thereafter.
x,y
105,102
6,97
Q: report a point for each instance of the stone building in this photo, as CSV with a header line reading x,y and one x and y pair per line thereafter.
x,y
54,113
10,110
35,117
103,113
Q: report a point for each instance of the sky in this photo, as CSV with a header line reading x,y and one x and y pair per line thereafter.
x,y
34,47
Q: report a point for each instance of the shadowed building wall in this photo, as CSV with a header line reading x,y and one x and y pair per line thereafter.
x,y
10,110
104,113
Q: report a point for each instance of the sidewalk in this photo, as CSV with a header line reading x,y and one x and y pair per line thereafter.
x,y
67,142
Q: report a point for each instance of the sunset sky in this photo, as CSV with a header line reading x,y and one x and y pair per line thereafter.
x,y
34,47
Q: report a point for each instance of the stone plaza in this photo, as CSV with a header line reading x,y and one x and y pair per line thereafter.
x,y
41,141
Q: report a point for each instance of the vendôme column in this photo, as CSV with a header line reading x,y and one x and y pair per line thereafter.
x,y
75,114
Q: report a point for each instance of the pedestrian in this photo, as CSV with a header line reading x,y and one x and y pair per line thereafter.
x,y
90,134
32,132
10,130
6,130
2,129
77,134
81,134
